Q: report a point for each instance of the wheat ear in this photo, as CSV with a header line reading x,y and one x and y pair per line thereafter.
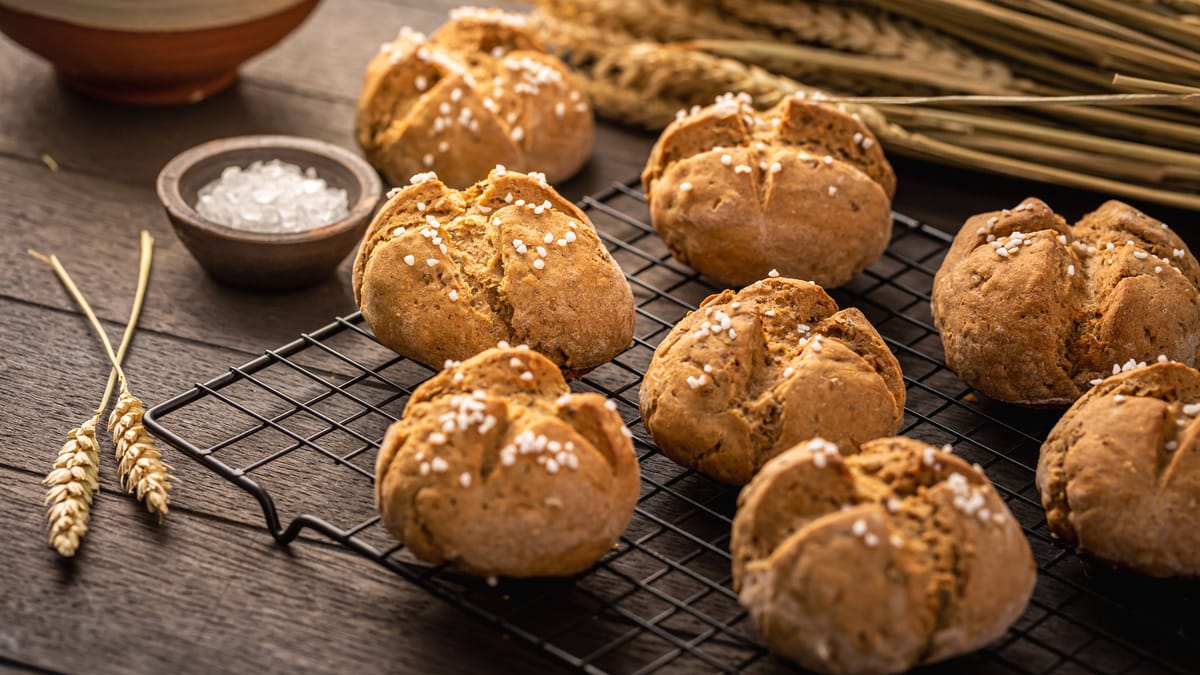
x,y
71,485
75,478
139,462
140,466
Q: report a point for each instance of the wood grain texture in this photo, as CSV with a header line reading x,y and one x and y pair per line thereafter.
x,y
211,596
219,595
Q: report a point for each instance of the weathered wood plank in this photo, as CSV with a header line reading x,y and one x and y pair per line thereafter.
x,y
60,375
183,599
92,224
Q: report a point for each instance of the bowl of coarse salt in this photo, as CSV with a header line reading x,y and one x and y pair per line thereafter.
x,y
269,213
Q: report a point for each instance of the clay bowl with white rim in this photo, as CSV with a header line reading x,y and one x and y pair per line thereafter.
x,y
155,52
268,261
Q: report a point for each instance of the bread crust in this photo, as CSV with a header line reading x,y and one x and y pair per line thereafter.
x,y
1119,474
439,275
725,400
880,561
1038,323
480,91
494,472
802,188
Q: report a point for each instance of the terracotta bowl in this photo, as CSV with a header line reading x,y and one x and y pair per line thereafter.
x,y
162,52
267,261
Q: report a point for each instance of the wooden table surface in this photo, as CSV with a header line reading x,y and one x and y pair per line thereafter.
x,y
210,591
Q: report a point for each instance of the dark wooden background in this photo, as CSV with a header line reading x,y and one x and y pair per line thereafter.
x,y
210,591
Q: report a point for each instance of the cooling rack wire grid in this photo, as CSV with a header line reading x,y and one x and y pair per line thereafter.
x,y
300,426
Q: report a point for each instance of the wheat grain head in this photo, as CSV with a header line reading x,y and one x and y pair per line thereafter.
x,y
71,486
140,466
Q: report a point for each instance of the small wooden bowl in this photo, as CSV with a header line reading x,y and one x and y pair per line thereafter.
x,y
153,53
267,261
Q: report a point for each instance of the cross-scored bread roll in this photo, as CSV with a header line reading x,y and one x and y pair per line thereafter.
x,y
481,91
1032,310
877,562
803,188
443,275
749,374
497,469
1120,472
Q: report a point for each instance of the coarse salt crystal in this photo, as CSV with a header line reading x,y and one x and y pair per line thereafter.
x,y
271,196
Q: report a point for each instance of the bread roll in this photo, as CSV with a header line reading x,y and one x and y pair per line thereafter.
x,y
802,188
443,275
480,91
877,562
1032,310
1120,472
750,374
497,469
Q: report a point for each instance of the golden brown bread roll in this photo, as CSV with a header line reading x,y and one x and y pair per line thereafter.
x,y
877,562
1032,310
443,274
1120,472
751,373
803,188
497,469
480,91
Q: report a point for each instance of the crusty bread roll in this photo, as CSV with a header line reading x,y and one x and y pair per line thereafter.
x,y
497,469
803,188
443,274
877,562
1120,472
481,91
1032,310
751,373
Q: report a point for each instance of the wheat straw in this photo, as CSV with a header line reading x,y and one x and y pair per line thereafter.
x,y
929,67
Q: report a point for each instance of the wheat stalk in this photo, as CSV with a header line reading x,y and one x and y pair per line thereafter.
x,y
858,30
140,466
139,462
71,485
837,28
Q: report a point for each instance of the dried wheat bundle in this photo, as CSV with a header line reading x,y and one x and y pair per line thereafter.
x,y
1036,63
71,485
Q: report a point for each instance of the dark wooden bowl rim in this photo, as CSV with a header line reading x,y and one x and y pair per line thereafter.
x,y
172,199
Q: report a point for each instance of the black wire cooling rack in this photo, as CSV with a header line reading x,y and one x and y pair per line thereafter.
x,y
301,424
